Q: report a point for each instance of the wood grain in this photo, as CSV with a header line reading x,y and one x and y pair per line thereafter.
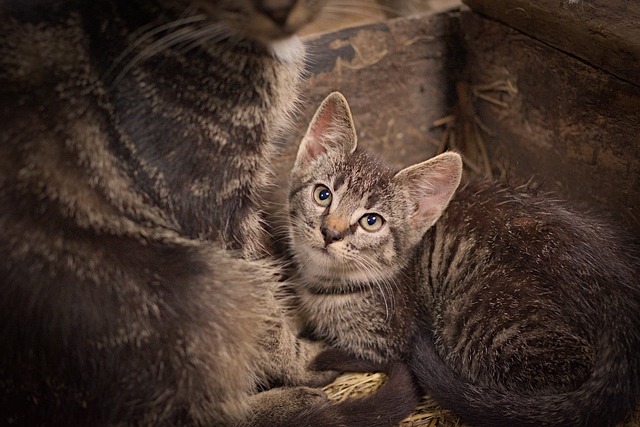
x,y
571,126
604,33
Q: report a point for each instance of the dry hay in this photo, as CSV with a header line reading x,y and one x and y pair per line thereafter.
x,y
463,130
427,414
354,385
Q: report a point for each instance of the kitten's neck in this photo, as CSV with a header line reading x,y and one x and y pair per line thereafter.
x,y
328,286
362,318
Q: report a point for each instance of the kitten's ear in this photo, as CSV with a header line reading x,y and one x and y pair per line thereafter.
x,y
331,131
430,185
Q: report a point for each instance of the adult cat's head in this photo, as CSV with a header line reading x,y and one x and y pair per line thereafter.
x,y
352,219
264,20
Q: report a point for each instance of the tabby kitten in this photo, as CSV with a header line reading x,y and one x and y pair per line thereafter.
x,y
135,141
511,309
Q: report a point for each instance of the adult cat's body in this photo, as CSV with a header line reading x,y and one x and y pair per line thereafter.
x,y
511,309
136,137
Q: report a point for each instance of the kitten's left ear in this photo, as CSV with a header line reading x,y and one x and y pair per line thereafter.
x,y
331,131
430,185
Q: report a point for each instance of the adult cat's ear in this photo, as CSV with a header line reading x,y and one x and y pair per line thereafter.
x,y
331,131
430,185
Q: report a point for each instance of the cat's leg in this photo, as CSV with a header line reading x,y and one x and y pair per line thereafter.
x,y
290,357
303,406
286,359
274,406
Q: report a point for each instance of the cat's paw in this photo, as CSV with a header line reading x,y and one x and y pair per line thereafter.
x,y
278,405
305,396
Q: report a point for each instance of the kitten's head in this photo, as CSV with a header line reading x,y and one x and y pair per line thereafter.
x,y
352,219
264,20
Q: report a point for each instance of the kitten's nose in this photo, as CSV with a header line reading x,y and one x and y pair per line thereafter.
x,y
277,10
330,235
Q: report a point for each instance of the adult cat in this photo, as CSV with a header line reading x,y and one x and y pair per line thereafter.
x,y
511,308
136,138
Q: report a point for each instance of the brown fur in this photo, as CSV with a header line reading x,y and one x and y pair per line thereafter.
x,y
136,138
511,308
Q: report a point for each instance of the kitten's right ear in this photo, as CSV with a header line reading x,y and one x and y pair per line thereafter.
x,y
331,131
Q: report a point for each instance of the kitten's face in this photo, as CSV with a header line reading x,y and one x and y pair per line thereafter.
x,y
264,20
346,221
352,219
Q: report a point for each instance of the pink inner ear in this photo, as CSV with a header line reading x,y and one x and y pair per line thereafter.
x,y
323,121
429,207
315,148
432,199
319,129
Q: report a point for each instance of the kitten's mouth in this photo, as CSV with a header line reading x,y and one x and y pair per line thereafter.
x,y
324,250
321,255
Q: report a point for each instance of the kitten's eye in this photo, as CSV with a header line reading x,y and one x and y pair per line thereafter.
x,y
371,222
322,196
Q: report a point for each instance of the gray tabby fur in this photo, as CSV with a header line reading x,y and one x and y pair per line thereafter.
x,y
136,139
511,308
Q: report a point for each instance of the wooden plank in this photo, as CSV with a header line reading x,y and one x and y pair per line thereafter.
x,y
573,127
605,33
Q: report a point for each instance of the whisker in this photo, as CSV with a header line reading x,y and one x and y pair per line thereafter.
x,y
164,43
147,35
211,33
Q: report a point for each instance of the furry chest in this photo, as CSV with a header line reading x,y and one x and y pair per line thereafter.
x,y
356,322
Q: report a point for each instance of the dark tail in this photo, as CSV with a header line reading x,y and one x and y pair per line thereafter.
x,y
390,404
606,397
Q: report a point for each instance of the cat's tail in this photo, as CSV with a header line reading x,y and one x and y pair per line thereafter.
x,y
398,396
606,397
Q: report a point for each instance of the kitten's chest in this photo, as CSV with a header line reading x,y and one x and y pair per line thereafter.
x,y
363,323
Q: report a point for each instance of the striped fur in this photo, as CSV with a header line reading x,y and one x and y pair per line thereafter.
x,y
510,307
136,139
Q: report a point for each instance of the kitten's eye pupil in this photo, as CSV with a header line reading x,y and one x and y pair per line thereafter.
x,y
371,219
322,195
371,222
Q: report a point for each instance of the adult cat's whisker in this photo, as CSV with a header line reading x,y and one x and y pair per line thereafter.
x,y
208,34
170,40
147,35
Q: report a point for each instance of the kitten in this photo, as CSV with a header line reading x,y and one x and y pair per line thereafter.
x,y
510,308
136,138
